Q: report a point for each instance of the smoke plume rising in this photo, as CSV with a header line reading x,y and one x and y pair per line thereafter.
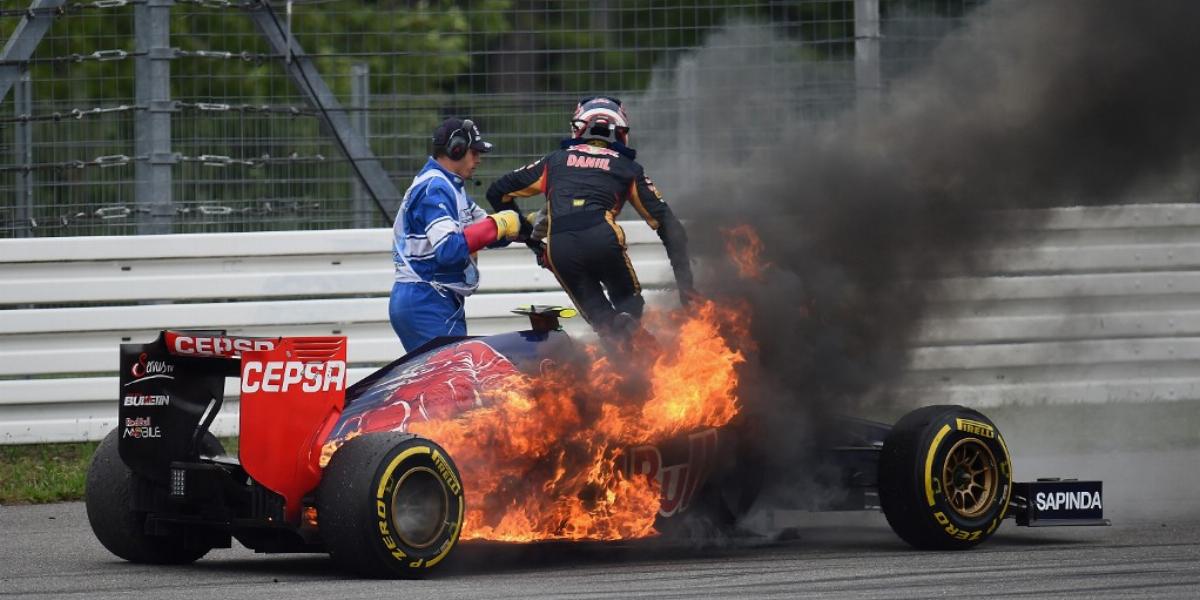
x,y
1030,104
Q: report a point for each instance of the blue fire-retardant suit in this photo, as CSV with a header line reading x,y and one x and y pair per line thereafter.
x,y
435,272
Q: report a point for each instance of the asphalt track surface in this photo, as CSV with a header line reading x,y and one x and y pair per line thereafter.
x,y
48,552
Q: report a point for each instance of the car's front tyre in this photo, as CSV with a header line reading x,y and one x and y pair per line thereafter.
x,y
945,478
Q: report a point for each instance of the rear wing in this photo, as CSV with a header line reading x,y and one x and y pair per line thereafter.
x,y
292,389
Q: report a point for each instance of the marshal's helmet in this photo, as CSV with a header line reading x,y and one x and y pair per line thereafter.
x,y
600,118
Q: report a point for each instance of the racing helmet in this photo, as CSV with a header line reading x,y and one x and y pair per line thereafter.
x,y
600,118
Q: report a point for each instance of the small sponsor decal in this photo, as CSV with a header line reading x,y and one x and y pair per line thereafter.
x,y
528,166
283,376
1060,500
650,185
447,474
679,482
146,368
1068,500
954,532
588,162
977,428
140,428
385,532
597,150
218,346
146,400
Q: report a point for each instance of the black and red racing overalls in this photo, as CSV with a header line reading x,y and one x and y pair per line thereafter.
x,y
586,186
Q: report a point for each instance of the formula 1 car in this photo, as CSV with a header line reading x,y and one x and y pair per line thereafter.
x,y
322,467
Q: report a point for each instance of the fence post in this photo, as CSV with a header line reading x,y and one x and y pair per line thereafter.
x,y
868,80
23,150
24,40
303,72
152,132
360,94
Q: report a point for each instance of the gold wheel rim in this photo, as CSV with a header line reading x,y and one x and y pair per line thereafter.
x,y
969,477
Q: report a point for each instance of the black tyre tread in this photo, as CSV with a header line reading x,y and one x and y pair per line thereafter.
x,y
896,479
899,495
347,486
344,483
108,496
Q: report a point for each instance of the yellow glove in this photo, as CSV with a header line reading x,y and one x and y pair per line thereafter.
x,y
508,224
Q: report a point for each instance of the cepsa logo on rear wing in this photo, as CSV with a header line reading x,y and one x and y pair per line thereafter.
x,y
184,344
284,376
272,365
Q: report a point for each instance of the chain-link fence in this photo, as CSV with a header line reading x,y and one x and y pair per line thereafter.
x,y
156,116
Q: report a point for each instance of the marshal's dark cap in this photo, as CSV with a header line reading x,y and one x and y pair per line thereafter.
x,y
441,135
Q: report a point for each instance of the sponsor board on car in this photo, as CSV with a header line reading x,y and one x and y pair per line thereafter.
x,y
278,376
227,347
1061,502
140,428
137,399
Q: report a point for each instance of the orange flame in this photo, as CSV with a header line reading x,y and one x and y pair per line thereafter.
x,y
745,250
542,460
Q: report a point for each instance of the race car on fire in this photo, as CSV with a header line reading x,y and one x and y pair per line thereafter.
x,y
519,436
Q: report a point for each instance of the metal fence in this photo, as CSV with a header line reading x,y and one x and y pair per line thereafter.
x,y
156,116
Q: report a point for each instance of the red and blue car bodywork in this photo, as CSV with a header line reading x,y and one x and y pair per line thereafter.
x,y
323,466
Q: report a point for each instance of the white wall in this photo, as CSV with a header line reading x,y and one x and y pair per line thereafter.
x,y
1095,305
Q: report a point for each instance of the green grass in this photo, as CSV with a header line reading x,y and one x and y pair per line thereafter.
x,y
38,473
41,473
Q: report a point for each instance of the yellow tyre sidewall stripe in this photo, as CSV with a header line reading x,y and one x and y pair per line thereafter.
x,y
382,488
937,441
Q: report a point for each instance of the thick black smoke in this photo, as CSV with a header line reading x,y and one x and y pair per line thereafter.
x,y
1032,103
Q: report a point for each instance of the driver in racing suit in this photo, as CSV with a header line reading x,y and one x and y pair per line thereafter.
x,y
586,183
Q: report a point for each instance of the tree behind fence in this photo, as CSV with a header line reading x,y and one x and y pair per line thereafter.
x,y
249,152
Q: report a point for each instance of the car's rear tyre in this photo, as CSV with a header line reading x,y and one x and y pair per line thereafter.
x,y
108,496
390,505
945,478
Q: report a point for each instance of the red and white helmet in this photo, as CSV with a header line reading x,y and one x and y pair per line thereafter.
x,y
600,118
